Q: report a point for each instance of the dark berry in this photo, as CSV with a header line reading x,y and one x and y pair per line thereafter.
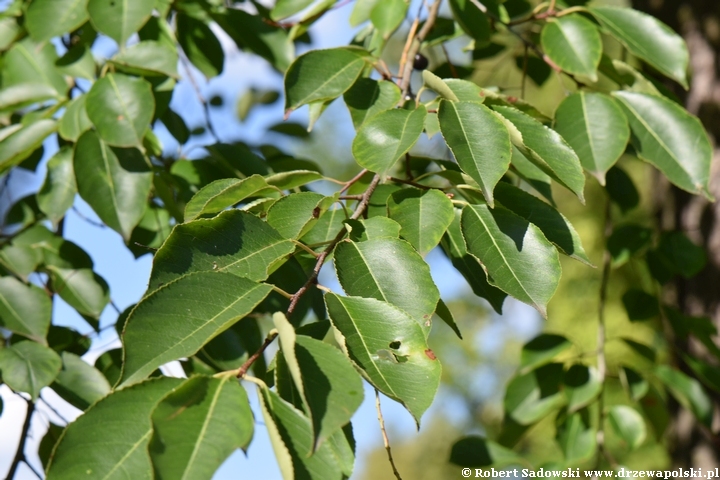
x,y
421,62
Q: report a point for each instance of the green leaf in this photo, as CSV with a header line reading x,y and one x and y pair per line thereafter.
x,y
197,426
573,43
479,141
119,19
20,259
687,391
330,388
390,349
368,97
553,224
327,227
534,177
148,58
74,121
439,85
110,365
291,437
515,254
57,193
576,438
28,62
453,244
542,350
442,311
221,194
84,450
63,339
628,424
84,290
293,179
474,22
17,96
24,309
626,241
28,367
582,386
621,189
23,142
475,451
288,8
177,319
372,229
636,386
423,215
530,397
295,214
596,128
680,255
322,75
79,383
640,305
667,136
200,45
708,374
121,108
546,149
387,136
387,16
248,248
9,31
78,62
647,38
51,18
390,270
361,11
47,444
114,181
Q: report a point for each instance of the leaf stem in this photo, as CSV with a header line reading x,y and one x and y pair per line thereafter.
x,y
353,180
20,452
386,440
203,101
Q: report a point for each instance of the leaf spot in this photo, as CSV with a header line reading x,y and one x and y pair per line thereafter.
x,y
430,354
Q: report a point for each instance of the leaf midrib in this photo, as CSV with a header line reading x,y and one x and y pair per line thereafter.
x,y
203,431
304,100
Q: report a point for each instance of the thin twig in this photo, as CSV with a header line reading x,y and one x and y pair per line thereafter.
x,y
386,441
601,338
54,410
87,219
203,101
359,210
407,67
353,180
37,474
20,452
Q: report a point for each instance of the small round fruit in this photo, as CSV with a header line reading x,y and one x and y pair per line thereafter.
x,y
421,62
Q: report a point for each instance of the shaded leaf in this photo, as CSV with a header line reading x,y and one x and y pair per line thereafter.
x,y
576,438
621,189
295,214
28,367
688,392
57,193
582,385
79,383
475,451
368,97
474,22
200,45
24,309
221,194
530,397
542,350
640,305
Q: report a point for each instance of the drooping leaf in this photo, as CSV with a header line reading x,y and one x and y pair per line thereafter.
x,y
687,391
119,19
74,121
546,149
23,142
221,194
582,386
515,254
322,75
439,85
123,416
390,270
390,349
248,248
475,451
647,38
83,289
479,141
149,58
442,311
189,311
24,309
121,108
573,43
79,383
28,367
532,396
57,193
368,97
385,137
628,424
197,426
667,136
640,305
51,18
596,128
423,215
542,350
474,22
453,244
17,96
621,189
200,45
553,224
114,181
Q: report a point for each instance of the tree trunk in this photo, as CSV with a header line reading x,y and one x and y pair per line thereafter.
x,y
698,21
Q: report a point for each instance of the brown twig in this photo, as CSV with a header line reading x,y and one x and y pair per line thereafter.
x,y
20,452
386,441
353,180
295,298
203,101
407,67
601,337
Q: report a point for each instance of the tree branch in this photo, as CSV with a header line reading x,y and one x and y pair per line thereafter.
x,y
601,361
20,452
359,210
386,440
407,67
